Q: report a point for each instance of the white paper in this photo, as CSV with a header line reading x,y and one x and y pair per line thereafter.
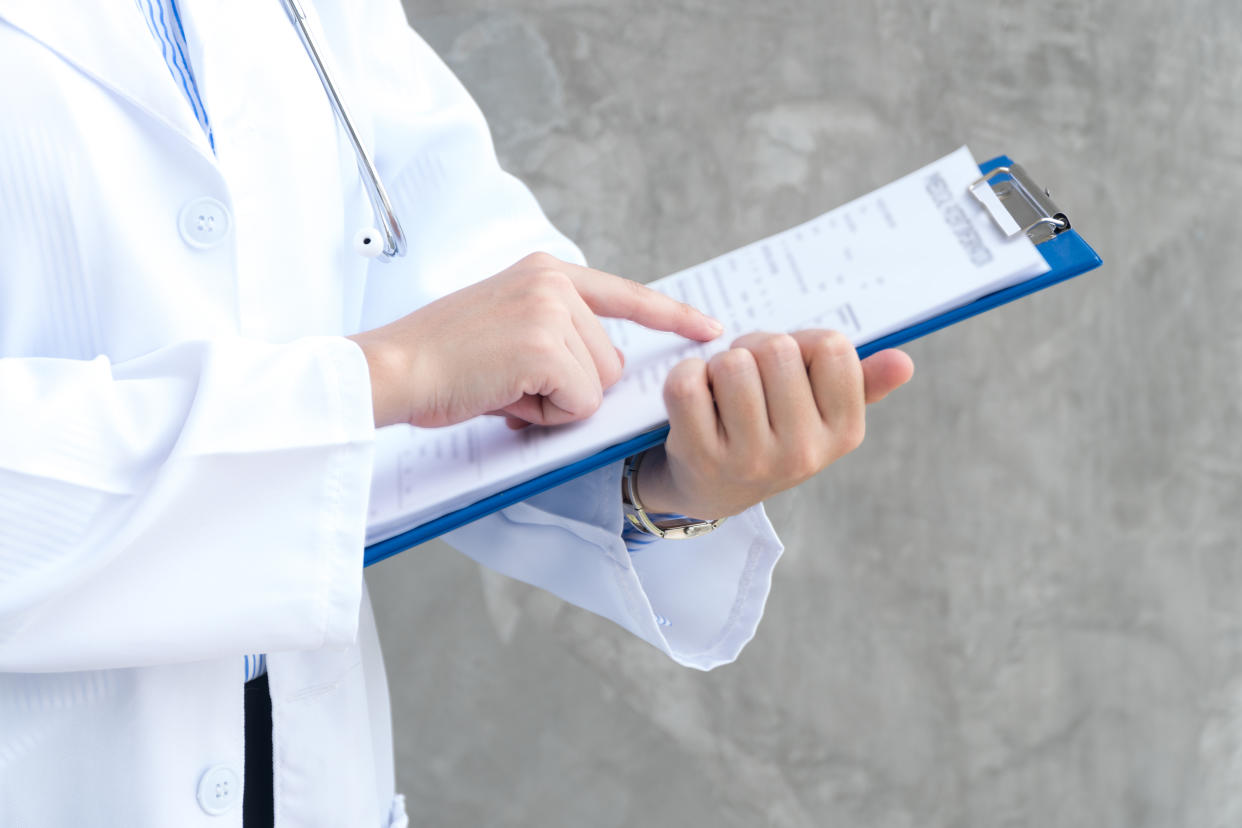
x,y
901,254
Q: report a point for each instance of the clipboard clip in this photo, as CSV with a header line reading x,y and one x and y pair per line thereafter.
x,y
1028,207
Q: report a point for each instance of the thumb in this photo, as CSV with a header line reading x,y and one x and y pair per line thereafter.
x,y
886,371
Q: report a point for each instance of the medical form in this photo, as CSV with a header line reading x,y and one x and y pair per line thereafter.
x,y
898,255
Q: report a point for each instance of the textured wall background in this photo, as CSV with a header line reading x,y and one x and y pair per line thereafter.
x,y
1020,603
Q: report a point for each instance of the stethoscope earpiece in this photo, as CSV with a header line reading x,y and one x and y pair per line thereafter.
x,y
369,243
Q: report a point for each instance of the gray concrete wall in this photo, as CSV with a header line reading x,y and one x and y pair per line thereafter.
x,y
1020,603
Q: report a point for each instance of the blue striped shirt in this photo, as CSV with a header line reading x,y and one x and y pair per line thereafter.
x,y
164,21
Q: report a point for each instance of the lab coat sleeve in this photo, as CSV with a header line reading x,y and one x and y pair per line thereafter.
x,y
697,600
700,600
204,500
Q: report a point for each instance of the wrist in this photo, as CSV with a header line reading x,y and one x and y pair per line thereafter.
x,y
659,492
669,526
389,378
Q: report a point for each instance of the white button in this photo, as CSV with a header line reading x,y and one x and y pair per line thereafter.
x,y
219,789
204,222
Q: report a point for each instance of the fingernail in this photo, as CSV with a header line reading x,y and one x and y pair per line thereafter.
x,y
716,327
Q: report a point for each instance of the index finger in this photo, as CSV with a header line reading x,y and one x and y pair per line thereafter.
x,y
620,298
883,372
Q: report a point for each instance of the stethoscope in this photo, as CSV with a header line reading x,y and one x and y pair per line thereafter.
x,y
387,240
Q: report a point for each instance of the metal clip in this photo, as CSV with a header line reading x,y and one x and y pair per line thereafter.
x,y
1029,206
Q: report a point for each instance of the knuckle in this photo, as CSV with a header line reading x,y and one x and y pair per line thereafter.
x,y
806,462
681,386
546,294
630,291
734,362
542,284
610,370
754,469
592,401
833,344
539,260
637,295
644,293
852,433
780,348
543,342
636,289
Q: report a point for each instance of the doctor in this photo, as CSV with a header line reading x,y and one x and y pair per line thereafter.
x,y
193,362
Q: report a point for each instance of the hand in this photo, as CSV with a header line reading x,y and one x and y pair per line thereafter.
x,y
761,418
525,343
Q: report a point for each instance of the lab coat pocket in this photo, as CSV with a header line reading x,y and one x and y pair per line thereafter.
x,y
324,672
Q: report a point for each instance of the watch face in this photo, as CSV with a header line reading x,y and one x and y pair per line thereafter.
x,y
682,528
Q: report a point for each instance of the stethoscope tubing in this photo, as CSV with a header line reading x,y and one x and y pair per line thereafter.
x,y
394,238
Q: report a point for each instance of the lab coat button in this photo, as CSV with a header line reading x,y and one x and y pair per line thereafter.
x,y
219,789
204,222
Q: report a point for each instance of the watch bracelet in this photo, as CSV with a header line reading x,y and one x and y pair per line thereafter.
x,y
681,528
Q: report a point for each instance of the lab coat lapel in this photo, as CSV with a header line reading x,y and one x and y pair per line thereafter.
x,y
289,171
86,35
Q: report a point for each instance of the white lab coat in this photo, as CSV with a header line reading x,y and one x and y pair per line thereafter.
x,y
186,437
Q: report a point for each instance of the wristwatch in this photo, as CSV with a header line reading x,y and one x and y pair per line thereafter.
x,y
675,528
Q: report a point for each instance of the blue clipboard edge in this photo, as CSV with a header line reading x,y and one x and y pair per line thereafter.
x,y
1066,253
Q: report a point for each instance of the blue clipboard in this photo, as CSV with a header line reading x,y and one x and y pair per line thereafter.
x,y
1030,206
